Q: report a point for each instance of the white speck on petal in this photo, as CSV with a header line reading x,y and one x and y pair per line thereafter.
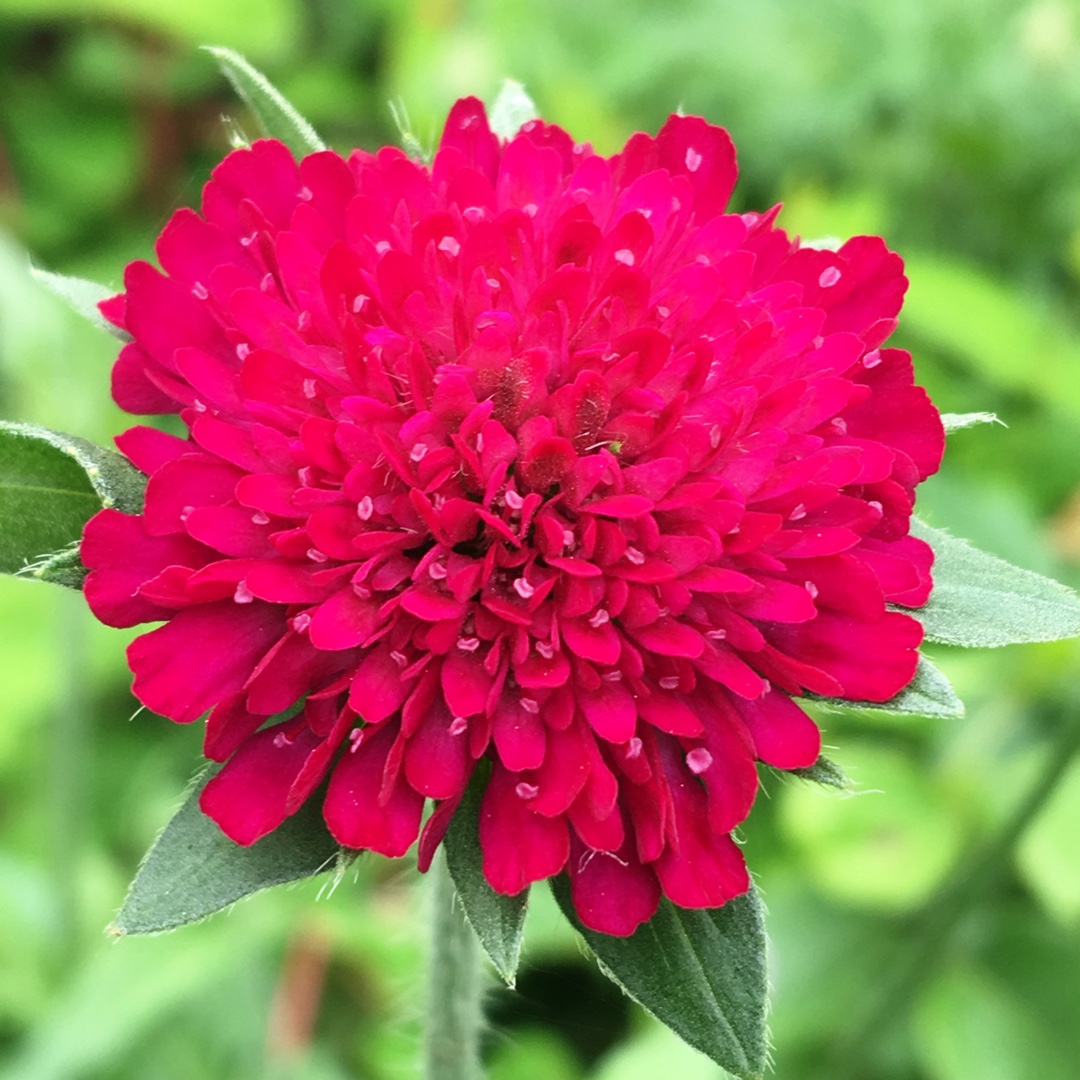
x,y
829,277
693,159
698,760
243,594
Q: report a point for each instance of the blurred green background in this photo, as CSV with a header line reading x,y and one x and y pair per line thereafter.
x,y
952,127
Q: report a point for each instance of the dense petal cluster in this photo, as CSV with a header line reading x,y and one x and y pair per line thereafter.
x,y
534,468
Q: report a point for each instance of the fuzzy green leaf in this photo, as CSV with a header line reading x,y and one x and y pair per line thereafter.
x,y
928,694
194,869
51,484
982,601
82,297
498,921
512,108
824,772
277,117
702,973
958,421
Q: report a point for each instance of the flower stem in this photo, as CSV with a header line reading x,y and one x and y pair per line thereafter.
x,y
454,1015
926,944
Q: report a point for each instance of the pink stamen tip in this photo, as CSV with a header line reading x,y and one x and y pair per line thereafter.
x,y
546,650
526,791
356,737
468,644
633,748
458,726
634,556
698,760
301,622
599,618
365,508
243,594
315,555
530,705
523,588
399,658
670,682
514,500
437,571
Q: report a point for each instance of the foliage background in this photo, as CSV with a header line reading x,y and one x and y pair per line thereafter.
x,y
949,126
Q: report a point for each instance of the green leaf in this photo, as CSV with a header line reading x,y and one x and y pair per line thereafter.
x,y
980,600
51,484
824,772
277,117
512,108
82,297
499,921
928,694
702,973
59,568
958,421
194,869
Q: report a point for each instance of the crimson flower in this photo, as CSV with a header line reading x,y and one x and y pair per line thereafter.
x,y
534,462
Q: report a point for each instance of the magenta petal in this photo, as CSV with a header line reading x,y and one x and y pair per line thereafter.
x,y
519,735
784,736
378,689
202,656
465,682
613,892
248,797
437,759
519,846
354,811
610,711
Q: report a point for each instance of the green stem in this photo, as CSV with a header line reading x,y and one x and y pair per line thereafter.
x,y
454,1015
925,946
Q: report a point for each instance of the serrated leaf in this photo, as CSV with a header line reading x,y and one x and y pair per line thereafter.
x,y
497,920
512,108
958,421
928,694
702,973
982,601
277,117
193,869
824,772
51,484
82,297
